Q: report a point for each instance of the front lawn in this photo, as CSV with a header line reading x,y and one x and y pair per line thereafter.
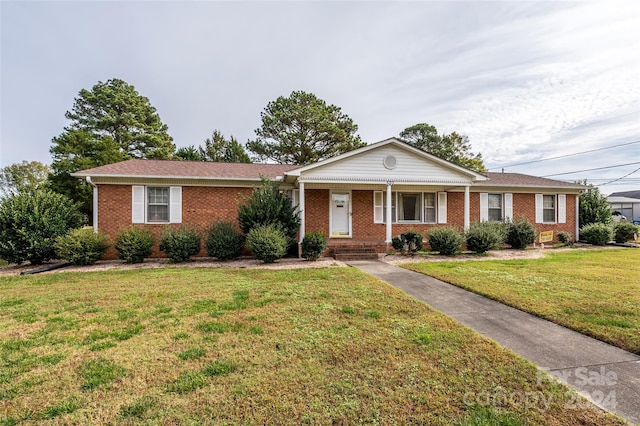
x,y
237,346
596,292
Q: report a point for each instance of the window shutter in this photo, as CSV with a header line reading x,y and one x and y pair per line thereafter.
x,y
137,204
442,207
508,206
175,204
539,208
378,207
484,207
562,208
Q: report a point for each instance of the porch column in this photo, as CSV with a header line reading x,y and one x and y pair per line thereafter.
x,y
388,218
301,209
466,208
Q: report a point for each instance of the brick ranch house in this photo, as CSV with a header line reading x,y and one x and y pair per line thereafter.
x,y
360,198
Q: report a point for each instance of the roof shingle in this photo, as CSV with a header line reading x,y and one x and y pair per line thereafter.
x,y
188,169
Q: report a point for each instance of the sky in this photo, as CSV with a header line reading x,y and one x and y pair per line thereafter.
x,y
524,80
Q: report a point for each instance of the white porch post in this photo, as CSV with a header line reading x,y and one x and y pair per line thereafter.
x,y
577,217
301,209
388,218
466,208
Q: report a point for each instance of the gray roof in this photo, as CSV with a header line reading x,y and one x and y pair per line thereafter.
x,y
627,194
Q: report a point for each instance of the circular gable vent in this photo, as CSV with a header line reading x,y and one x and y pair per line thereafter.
x,y
390,162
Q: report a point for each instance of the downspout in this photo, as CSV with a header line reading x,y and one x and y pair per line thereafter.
x,y
95,203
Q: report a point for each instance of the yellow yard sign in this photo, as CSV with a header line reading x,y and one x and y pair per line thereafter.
x,y
546,236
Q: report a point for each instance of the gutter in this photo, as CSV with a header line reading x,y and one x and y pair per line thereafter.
x,y
95,203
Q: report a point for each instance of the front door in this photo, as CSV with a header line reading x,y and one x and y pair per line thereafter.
x,y
340,214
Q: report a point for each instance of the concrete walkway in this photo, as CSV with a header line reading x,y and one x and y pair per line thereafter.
x,y
606,375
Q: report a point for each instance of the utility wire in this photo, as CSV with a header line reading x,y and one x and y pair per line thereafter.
x,y
620,178
589,170
566,155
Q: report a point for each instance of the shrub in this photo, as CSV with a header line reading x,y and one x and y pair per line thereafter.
x,y
597,234
267,242
134,244
81,246
520,233
484,236
268,205
565,238
313,245
408,242
179,244
624,231
446,241
223,241
31,221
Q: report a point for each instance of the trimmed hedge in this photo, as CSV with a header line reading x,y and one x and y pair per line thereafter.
x,y
267,243
446,241
408,242
223,241
484,236
624,231
313,245
520,233
133,244
597,234
81,246
565,238
179,244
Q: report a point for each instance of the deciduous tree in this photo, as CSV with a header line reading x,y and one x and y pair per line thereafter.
x,y
593,207
21,177
303,129
453,147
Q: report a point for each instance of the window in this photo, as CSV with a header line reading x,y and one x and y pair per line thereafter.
x,y
430,207
410,207
406,207
157,204
494,204
549,208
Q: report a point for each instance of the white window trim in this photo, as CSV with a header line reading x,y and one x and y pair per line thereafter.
x,y
140,200
379,201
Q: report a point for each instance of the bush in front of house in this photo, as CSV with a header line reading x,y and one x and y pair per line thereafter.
x,y
446,241
31,221
223,241
484,236
565,238
313,245
597,234
179,244
133,244
82,246
520,233
408,242
267,243
268,205
624,231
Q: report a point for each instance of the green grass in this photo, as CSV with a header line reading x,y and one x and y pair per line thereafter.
x,y
596,292
224,346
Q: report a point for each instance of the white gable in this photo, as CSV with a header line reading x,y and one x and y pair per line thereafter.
x,y
388,162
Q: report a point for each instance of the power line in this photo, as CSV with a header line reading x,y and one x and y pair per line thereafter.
x,y
590,170
567,155
620,178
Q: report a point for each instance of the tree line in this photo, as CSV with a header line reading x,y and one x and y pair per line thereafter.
x,y
112,122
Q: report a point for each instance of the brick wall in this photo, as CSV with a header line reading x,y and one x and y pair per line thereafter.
x,y
204,205
201,206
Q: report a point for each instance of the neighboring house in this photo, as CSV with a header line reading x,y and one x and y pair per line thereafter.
x,y
627,203
363,197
